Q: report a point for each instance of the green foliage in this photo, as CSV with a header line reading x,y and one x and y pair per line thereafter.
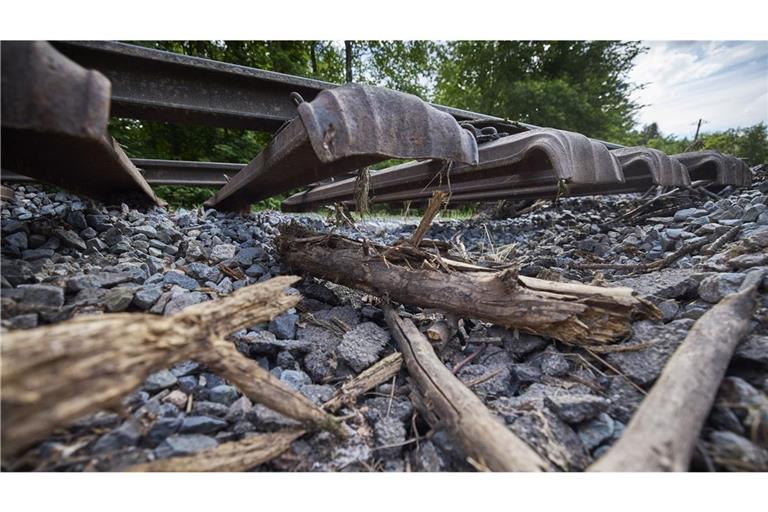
x,y
749,143
580,86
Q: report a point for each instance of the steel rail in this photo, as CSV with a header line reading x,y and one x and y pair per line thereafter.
x,y
54,118
164,86
167,172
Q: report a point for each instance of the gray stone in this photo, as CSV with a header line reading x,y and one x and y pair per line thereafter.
x,y
320,365
689,213
222,252
723,418
737,453
185,368
265,343
669,309
182,301
27,321
146,230
595,432
295,378
184,444
269,420
389,431
71,239
201,425
713,288
246,255
552,438
42,295
188,383
554,364
519,343
427,458
127,434
163,428
205,408
754,348
318,393
666,284
238,409
223,394
17,240
255,271
576,408
159,381
361,346
381,407
98,222
345,315
492,381
203,272
284,326
644,366
748,261
36,254
118,299
147,296
757,238
525,373
179,279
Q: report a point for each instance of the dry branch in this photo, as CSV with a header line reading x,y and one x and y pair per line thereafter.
x,y
56,374
435,203
662,434
568,312
258,449
482,437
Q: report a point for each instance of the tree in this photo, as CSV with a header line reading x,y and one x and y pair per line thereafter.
x,y
580,86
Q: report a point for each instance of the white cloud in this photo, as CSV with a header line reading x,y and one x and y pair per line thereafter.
x,y
723,82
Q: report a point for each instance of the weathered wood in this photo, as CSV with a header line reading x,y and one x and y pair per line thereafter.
x,y
368,379
482,436
435,203
662,434
257,449
233,456
55,374
568,312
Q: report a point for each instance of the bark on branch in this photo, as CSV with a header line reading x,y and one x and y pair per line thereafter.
x,y
662,434
56,374
482,437
568,312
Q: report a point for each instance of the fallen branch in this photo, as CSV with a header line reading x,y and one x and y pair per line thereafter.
x,y
257,449
646,267
663,432
569,312
435,203
482,436
56,374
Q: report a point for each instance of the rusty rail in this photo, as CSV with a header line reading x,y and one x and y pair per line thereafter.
x,y
343,129
54,125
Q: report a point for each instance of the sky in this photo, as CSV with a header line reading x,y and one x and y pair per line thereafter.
x,y
723,82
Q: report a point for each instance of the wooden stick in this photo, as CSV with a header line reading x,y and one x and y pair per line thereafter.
x,y
435,203
482,437
662,434
55,374
368,379
258,449
568,312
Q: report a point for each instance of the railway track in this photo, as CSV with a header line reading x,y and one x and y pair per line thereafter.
x,y
57,99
